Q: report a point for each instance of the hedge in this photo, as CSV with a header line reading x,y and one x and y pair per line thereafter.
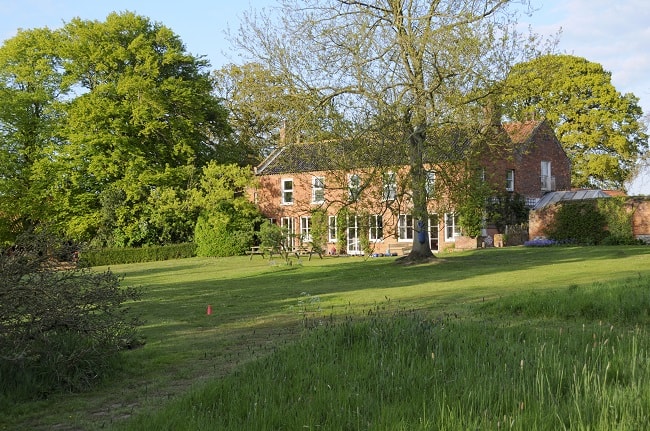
x,y
120,255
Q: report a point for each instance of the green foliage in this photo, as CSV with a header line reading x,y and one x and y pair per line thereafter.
x,y
600,129
121,255
364,233
578,222
272,236
29,85
342,231
218,234
506,209
103,128
228,220
319,230
62,329
276,238
619,221
260,100
591,222
471,193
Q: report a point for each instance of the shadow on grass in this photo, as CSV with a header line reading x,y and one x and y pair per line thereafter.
x,y
254,289
257,307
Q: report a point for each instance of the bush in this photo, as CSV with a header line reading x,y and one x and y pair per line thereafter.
x,y
215,235
61,326
121,255
580,222
593,222
619,221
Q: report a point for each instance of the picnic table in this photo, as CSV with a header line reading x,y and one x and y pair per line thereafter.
x,y
306,250
297,251
256,249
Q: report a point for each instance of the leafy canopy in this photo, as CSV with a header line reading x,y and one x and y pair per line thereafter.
x,y
599,128
105,126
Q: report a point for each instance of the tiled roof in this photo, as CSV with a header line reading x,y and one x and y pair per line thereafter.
x,y
520,133
333,155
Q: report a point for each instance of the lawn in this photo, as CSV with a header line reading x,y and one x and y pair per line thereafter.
x,y
338,315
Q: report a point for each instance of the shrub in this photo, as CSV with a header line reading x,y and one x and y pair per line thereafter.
x,y
594,221
61,326
319,230
580,222
619,221
121,255
214,236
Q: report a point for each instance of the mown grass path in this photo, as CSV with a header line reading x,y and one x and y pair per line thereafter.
x,y
258,306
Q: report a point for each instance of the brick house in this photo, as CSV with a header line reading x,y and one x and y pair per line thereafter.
x,y
297,179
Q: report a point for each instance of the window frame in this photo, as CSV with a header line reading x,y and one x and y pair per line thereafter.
x,y
434,226
510,180
455,227
376,227
305,229
352,232
317,187
286,192
289,224
331,228
405,229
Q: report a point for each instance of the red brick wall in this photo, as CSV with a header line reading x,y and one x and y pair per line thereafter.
x,y
539,220
641,218
268,197
526,162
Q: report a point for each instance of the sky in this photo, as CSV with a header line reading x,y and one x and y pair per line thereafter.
x,y
614,33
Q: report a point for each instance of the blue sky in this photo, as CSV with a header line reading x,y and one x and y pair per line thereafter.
x,y
614,33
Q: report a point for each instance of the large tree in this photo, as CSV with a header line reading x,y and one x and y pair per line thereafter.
x,y
128,119
266,109
30,84
600,128
408,68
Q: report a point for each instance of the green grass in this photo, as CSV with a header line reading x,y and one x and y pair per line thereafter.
x,y
435,346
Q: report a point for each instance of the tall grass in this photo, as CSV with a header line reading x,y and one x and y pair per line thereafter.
x,y
405,371
626,301
349,323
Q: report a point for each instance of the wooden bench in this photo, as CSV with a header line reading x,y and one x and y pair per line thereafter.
x,y
399,250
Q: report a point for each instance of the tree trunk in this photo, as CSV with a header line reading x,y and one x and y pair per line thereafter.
x,y
421,249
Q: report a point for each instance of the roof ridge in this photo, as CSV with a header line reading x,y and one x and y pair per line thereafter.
x,y
271,157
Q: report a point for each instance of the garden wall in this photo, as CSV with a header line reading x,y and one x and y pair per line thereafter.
x,y
639,206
